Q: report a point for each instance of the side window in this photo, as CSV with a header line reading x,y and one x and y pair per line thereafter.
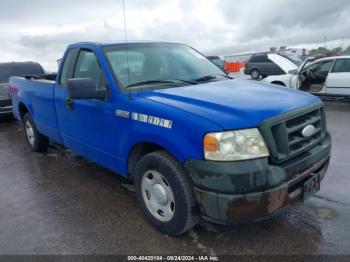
x,y
254,59
87,66
319,67
265,59
65,69
326,66
341,66
260,59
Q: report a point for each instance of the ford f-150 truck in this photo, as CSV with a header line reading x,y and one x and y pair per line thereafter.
x,y
195,142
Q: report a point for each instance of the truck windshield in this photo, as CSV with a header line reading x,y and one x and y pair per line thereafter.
x,y
217,61
159,65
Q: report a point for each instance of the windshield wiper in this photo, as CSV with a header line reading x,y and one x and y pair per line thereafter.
x,y
172,81
229,77
151,82
210,77
205,78
185,81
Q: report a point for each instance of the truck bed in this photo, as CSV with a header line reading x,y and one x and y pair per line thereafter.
x,y
42,77
37,92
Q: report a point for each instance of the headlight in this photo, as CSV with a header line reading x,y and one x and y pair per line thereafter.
x,y
235,145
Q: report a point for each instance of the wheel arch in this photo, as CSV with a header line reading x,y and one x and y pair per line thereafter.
x,y
276,82
22,109
140,149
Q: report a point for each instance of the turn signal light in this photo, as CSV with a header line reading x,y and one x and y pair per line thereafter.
x,y
210,143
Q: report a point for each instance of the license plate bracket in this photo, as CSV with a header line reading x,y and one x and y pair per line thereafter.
x,y
312,186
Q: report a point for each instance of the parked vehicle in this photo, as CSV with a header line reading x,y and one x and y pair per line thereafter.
x,y
328,78
13,69
218,62
195,142
263,65
289,79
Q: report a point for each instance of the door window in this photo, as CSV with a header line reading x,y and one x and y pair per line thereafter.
x,y
341,66
314,76
88,67
260,59
65,69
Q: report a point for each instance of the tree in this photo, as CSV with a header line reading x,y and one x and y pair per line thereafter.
x,y
337,49
319,50
347,50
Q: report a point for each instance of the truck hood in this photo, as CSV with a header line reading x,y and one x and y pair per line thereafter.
x,y
232,104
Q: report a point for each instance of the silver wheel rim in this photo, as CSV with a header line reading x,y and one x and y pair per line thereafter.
x,y
30,133
158,196
255,74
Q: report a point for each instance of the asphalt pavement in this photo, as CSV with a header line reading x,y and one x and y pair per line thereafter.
x,y
60,203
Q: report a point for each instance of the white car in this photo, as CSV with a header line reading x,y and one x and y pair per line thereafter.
x,y
327,77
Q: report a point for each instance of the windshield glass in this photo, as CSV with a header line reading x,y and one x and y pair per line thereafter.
x,y
218,62
158,64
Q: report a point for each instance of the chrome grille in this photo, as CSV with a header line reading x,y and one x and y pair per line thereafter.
x,y
284,137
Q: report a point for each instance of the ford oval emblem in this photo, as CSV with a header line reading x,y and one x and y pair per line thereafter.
x,y
308,131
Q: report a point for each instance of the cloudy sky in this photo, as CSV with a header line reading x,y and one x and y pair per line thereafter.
x,y
39,30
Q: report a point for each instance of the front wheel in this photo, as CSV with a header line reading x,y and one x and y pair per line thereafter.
x,y
255,74
36,141
165,193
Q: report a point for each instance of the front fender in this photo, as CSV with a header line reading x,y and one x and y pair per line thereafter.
x,y
173,146
183,138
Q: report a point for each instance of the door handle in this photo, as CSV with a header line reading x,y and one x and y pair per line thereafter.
x,y
69,104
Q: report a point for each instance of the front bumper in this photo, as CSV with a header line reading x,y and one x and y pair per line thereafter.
x,y
5,106
229,192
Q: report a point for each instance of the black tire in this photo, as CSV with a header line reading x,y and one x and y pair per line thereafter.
x,y
39,143
255,74
184,215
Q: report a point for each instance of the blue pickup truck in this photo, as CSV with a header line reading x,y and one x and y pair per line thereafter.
x,y
195,142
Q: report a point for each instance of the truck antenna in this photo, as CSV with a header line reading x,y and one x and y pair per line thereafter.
x,y
127,50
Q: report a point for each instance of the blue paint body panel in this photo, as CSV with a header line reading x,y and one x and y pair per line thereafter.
x,y
94,130
233,104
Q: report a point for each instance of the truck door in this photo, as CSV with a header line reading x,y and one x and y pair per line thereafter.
x,y
338,80
87,127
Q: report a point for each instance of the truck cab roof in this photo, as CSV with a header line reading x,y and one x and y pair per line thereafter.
x,y
120,42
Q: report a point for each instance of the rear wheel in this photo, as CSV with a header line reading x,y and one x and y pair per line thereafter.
x,y
36,141
165,193
255,74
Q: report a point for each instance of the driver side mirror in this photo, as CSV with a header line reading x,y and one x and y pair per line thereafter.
x,y
84,88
